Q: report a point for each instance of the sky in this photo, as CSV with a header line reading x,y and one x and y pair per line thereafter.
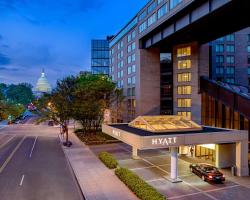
x,y
55,35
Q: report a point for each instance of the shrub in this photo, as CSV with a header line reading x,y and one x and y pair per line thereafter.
x,y
108,160
142,189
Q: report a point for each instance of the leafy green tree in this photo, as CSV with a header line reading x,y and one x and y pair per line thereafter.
x,y
57,106
92,96
20,94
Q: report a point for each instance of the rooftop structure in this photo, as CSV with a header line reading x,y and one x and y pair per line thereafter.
x,y
164,123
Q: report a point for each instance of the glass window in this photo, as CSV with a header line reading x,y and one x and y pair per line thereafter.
x,y
219,70
174,3
187,89
143,27
159,1
151,7
184,103
133,68
219,59
129,59
230,80
129,48
219,48
162,11
248,70
133,46
184,64
152,19
230,70
230,38
142,15
248,59
129,37
230,48
133,58
129,80
230,59
248,48
133,80
133,34
185,114
184,77
248,37
182,52
220,39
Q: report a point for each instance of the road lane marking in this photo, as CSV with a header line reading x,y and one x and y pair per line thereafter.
x,y
5,143
21,182
32,149
11,155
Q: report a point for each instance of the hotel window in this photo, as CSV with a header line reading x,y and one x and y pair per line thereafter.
x,y
248,70
219,48
230,38
151,7
248,59
248,48
133,46
143,27
185,114
129,59
219,70
162,11
129,48
152,19
133,58
133,80
187,89
219,59
248,37
133,34
129,70
174,3
184,103
230,70
230,59
129,37
129,92
230,48
159,1
182,52
142,15
220,39
129,80
184,77
133,68
184,64
230,80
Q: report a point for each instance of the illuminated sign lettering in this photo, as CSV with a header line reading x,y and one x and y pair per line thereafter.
x,y
164,141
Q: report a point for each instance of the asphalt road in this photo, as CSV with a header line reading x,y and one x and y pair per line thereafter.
x,y
33,167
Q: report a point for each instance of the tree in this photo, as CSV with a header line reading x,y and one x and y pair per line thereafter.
x,y
57,106
20,94
92,97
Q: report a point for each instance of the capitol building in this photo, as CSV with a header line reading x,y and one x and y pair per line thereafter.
x,y
42,85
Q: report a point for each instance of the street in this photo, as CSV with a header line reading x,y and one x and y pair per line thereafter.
x,y
33,165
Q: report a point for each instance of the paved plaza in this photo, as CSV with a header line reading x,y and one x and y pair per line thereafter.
x,y
154,168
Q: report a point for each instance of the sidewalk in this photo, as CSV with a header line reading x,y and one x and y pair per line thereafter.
x,y
3,124
97,182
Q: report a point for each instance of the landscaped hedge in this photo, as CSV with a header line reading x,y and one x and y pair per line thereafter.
x,y
142,189
108,160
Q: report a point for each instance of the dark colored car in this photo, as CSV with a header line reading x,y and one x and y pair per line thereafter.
x,y
207,172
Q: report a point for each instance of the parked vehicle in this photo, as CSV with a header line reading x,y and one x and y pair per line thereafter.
x,y
207,172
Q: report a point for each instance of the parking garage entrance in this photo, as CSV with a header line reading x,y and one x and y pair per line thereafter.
x,y
176,132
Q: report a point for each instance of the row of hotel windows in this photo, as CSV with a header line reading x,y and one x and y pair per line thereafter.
x,y
228,70
219,48
160,13
130,81
131,69
120,55
228,38
229,59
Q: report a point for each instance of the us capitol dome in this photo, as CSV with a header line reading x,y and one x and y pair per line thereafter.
x,y
42,85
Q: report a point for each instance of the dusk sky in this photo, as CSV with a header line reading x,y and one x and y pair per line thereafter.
x,y
55,35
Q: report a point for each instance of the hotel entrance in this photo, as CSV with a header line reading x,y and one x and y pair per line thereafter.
x,y
206,152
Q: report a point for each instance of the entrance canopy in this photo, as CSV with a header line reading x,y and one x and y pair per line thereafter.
x,y
164,123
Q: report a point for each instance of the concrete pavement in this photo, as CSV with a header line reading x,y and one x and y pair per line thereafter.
x,y
33,166
96,180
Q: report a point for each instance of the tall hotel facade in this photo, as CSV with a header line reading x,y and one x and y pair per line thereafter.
x,y
155,81
165,79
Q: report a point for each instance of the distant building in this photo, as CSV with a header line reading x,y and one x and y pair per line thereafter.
x,y
42,85
100,56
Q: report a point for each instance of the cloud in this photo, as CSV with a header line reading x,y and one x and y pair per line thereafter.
x,y
4,60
